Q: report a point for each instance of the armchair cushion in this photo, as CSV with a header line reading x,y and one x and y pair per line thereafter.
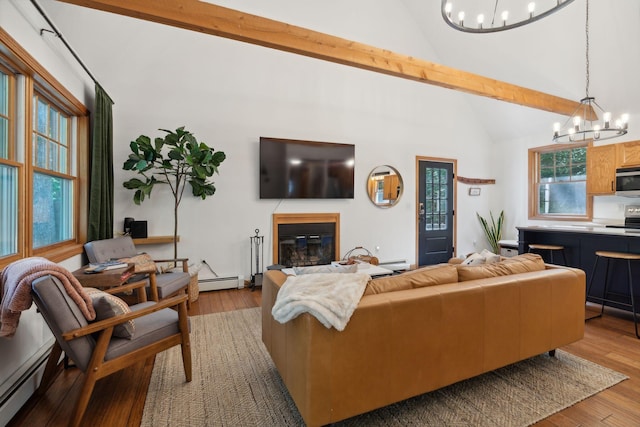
x,y
106,306
170,283
104,250
149,329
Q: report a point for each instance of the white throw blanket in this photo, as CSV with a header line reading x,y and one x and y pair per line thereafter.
x,y
330,297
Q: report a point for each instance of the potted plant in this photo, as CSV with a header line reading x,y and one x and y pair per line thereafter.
x,y
493,230
175,159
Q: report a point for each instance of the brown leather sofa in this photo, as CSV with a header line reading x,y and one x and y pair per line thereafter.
x,y
408,342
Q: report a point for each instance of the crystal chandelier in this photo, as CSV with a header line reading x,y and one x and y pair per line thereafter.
x,y
512,13
583,125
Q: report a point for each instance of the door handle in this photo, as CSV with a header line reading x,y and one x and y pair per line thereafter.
x,y
421,212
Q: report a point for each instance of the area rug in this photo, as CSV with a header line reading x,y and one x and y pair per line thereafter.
x,y
236,384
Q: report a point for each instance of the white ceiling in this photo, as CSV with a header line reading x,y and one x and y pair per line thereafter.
x,y
548,55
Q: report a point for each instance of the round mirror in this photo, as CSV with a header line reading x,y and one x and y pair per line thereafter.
x,y
384,186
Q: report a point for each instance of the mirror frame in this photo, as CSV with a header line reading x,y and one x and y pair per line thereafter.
x,y
380,171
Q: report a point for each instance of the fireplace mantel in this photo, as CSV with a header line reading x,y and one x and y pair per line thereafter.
x,y
304,218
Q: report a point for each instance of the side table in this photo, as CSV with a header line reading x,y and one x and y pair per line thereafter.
x,y
108,279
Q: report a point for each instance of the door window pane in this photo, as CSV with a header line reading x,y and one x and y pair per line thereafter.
x,y
8,210
436,199
52,209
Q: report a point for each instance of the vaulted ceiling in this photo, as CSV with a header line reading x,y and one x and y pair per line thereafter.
x,y
547,56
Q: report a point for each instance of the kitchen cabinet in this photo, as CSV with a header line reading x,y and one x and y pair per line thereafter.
x,y
628,154
581,244
601,169
391,187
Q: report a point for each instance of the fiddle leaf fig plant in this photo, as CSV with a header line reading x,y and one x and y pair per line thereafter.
x,y
493,230
175,159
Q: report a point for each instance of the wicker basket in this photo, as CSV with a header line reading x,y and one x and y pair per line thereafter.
x,y
193,288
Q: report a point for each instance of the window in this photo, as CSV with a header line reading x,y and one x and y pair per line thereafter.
x,y
558,182
52,184
43,143
8,170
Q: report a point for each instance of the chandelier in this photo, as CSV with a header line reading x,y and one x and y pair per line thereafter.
x,y
583,124
512,13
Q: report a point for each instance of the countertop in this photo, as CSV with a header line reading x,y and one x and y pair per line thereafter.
x,y
584,229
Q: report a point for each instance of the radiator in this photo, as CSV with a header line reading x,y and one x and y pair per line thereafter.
x,y
217,283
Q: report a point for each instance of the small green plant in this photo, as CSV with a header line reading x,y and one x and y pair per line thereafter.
x,y
493,230
175,160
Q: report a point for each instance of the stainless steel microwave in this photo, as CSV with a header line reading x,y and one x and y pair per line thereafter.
x,y
628,182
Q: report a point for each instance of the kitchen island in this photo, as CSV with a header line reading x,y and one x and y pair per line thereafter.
x,y
581,243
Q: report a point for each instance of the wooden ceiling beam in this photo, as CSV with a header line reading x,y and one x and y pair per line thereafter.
x,y
228,23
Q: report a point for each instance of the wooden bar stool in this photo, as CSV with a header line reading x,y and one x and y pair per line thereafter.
x,y
607,255
550,248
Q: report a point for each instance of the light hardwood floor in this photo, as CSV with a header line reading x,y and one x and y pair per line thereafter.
x,y
118,400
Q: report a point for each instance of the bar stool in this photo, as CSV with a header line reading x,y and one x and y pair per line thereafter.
x,y
607,255
550,248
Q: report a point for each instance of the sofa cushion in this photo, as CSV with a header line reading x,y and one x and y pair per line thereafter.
x,y
514,265
425,276
107,306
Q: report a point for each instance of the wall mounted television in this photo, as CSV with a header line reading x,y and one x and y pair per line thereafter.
x,y
293,169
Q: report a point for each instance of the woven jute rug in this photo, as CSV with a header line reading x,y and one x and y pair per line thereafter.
x,y
236,384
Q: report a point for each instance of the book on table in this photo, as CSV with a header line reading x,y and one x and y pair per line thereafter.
x,y
103,266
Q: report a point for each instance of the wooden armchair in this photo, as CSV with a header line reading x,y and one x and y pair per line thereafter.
x,y
159,286
94,348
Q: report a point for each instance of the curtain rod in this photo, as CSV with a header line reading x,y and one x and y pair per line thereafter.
x,y
59,35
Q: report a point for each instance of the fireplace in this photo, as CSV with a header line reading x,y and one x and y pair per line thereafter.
x,y
306,239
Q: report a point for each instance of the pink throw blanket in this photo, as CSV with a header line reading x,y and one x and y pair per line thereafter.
x,y
15,290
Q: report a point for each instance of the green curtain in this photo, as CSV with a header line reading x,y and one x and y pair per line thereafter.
x,y
101,167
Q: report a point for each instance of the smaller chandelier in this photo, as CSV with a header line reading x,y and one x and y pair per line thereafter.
x,y
525,13
582,126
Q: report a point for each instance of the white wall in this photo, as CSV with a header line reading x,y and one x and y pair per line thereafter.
x,y
230,93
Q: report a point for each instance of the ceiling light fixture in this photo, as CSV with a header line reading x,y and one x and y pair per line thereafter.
x,y
583,125
510,14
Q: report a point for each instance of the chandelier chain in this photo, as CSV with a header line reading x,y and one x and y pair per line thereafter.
x,y
586,29
495,9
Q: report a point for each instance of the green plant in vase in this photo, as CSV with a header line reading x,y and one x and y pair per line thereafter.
x,y
175,160
493,230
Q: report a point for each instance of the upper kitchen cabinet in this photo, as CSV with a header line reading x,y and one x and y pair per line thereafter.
x,y
601,169
628,154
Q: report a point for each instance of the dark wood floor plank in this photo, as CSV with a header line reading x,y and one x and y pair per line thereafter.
x,y
119,400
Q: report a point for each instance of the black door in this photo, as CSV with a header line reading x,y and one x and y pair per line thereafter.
x,y
435,212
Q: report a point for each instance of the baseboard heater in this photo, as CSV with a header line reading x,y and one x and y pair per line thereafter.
x,y
217,283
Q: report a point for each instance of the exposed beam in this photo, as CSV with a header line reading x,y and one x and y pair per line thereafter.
x,y
223,22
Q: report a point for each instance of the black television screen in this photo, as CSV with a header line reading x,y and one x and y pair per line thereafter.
x,y
291,169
